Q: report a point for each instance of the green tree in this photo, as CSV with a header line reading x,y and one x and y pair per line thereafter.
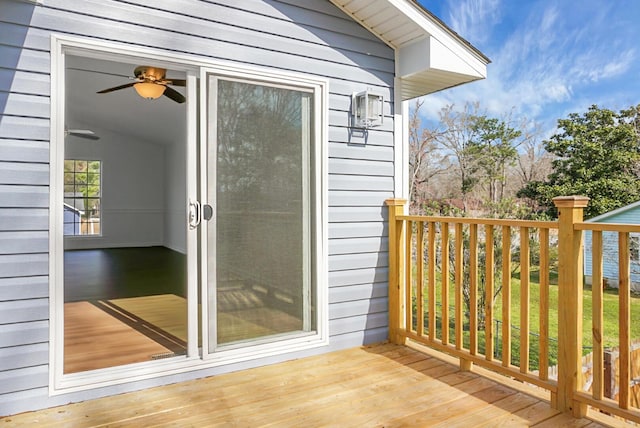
x,y
494,149
597,154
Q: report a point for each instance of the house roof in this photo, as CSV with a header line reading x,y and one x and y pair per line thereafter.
x,y
74,209
613,213
430,56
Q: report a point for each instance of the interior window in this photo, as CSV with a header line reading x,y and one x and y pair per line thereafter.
x,y
82,182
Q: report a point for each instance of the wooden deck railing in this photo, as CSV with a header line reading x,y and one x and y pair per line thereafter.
x,y
449,276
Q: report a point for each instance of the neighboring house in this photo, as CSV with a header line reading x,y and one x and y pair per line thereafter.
x,y
72,217
629,214
258,165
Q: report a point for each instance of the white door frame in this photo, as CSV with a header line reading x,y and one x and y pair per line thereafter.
x,y
194,67
319,88
60,47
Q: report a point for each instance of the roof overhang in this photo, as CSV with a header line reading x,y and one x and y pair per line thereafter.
x,y
429,56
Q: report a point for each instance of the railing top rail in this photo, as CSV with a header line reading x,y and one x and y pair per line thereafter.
x,y
608,227
490,221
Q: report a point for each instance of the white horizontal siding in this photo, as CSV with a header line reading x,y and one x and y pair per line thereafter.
x,y
358,276
25,105
356,230
358,198
24,356
24,333
15,58
362,152
358,245
32,287
17,311
24,242
361,322
23,379
24,128
359,182
347,135
24,219
24,151
17,196
24,173
350,293
359,166
22,82
307,36
16,265
356,308
357,214
357,261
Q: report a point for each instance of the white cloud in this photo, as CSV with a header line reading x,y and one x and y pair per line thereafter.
x,y
471,18
546,56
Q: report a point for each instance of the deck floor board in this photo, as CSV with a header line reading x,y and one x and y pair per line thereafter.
x,y
382,385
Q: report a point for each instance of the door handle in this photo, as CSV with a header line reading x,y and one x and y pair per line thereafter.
x,y
194,214
207,212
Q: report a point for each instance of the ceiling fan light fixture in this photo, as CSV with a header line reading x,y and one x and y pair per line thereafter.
x,y
149,91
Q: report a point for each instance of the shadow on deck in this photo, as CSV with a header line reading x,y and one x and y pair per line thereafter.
x,y
381,385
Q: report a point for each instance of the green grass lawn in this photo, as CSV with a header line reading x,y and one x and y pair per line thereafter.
x,y
610,337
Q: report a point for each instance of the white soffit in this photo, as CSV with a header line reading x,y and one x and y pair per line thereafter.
x,y
430,56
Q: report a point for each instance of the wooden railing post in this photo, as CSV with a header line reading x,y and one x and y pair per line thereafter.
x,y
397,236
570,313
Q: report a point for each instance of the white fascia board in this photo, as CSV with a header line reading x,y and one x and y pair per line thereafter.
x,y
437,32
430,53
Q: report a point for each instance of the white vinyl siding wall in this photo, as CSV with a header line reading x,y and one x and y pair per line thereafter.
x,y
304,36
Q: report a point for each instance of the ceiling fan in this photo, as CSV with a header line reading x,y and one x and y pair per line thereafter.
x,y
81,133
151,83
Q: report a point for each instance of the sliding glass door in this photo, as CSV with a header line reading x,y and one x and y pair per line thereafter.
x,y
258,242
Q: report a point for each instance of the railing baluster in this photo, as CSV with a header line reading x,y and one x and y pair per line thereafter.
x,y
597,314
432,280
488,290
473,292
444,235
524,299
506,296
419,277
625,319
409,276
458,256
544,304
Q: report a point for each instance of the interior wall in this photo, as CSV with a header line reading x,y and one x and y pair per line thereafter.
x,y
175,220
133,190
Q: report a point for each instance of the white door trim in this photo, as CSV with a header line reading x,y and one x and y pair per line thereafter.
x,y
60,383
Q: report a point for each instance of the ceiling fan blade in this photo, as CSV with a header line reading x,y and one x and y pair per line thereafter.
x,y
174,95
116,88
177,82
83,133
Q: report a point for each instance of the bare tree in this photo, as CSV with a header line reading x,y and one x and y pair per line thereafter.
x,y
425,158
534,162
456,139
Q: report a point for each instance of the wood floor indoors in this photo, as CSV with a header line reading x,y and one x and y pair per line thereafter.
x,y
128,305
377,386
123,306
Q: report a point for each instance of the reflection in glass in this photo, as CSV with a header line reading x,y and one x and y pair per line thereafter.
x,y
262,240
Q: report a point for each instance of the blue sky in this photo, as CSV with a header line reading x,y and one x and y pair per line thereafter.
x,y
549,58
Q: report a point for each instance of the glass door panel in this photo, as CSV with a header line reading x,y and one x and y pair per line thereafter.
x,y
258,243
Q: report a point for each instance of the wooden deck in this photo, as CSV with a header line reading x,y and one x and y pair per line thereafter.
x,y
383,385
